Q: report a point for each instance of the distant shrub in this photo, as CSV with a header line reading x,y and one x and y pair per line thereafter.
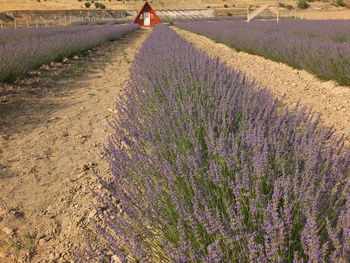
x,y
100,5
229,14
226,6
289,7
340,3
208,6
281,4
233,5
302,4
87,4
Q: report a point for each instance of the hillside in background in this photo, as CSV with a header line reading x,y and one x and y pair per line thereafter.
x,y
7,5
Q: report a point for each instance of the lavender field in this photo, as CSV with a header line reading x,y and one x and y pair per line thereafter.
x,y
319,47
27,49
104,22
207,167
212,19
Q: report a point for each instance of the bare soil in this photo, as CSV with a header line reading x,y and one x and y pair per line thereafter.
x,y
288,84
53,126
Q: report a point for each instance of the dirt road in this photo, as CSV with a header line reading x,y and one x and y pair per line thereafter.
x,y
52,128
288,84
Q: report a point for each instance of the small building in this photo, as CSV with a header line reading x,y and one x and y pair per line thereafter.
x,y
146,16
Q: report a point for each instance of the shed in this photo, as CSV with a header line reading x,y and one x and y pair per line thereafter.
x,y
146,16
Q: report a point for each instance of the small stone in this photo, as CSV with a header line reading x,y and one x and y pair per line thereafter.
x,y
3,254
75,57
54,64
88,166
115,259
42,241
16,212
92,214
9,231
85,167
65,60
78,220
45,67
52,257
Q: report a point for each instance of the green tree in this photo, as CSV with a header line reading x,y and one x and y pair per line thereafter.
x,y
303,4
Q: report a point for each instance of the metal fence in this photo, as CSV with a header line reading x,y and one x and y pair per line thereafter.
x,y
62,21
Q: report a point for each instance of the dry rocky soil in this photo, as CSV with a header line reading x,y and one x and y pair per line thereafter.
x,y
53,126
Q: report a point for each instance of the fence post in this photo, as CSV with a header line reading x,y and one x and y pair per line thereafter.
x,y
14,21
1,25
27,23
247,14
36,23
278,15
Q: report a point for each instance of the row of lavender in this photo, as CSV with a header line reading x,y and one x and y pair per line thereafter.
x,y
208,168
21,34
212,19
320,47
27,49
104,22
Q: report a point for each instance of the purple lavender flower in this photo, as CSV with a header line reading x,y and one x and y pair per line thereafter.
x,y
209,168
321,47
23,50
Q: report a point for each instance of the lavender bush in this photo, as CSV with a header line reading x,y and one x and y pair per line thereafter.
x,y
208,168
10,35
320,47
27,49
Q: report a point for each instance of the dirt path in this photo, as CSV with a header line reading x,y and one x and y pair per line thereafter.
x,y
50,144
286,83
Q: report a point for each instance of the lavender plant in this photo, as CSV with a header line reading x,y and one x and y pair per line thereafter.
x,y
320,47
104,22
28,49
208,167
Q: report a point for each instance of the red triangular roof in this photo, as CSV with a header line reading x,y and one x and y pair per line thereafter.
x,y
139,13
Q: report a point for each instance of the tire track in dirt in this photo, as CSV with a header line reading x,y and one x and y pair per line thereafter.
x,y
46,169
288,84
